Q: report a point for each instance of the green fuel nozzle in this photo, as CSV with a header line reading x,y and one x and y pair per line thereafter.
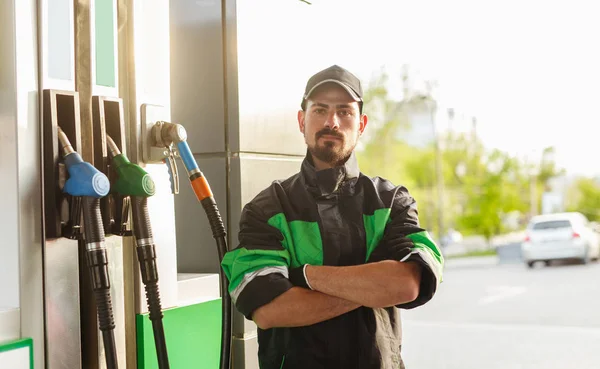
x,y
132,180
135,182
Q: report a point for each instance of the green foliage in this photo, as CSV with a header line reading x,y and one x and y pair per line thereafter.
x,y
547,167
496,190
480,186
586,198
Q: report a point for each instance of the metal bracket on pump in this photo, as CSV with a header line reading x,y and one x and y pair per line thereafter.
x,y
154,148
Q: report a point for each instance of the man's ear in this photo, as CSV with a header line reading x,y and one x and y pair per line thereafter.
x,y
363,123
301,120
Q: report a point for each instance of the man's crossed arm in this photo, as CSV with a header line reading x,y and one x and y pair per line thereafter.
x,y
338,290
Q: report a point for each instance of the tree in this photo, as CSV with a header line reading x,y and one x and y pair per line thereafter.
x,y
480,187
548,168
382,151
498,191
585,198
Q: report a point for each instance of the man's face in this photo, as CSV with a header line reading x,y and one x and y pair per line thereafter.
x,y
331,124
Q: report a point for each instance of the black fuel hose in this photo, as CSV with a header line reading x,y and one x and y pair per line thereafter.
x,y
218,230
175,133
97,262
146,251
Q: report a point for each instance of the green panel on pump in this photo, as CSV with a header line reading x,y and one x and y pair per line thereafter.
x,y
193,335
104,19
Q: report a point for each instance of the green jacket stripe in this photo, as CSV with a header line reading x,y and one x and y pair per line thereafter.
x,y
428,250
301,239
239,262
374,228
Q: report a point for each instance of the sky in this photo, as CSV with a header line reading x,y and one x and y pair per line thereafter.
x,y
528,70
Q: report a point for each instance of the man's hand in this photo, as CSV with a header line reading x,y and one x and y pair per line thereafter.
x,y
398,250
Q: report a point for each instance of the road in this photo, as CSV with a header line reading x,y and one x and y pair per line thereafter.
x,y
488,315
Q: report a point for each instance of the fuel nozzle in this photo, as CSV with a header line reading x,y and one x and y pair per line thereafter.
x,y
132,180
165,135
84,179
87,184
136,183
168,135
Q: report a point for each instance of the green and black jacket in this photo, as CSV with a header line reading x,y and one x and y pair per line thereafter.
x,y
333,217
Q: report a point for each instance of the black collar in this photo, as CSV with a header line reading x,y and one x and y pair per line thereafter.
x,y
327,181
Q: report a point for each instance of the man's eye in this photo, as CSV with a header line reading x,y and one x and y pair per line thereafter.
x,y
345,113
320,111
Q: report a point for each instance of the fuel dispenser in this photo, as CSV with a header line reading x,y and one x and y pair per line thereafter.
x,y
88,185
73,189
80,307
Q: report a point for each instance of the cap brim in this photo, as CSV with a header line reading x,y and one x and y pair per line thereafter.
x,y
347,88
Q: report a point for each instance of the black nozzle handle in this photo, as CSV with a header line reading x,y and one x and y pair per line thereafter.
x,y
146,251
96,256
142,230
92,222
97,262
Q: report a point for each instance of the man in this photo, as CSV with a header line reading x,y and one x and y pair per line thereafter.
x,y
327,257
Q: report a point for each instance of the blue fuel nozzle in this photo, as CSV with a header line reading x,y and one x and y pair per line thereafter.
x,y
84,179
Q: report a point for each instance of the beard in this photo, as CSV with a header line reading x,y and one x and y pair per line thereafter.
x,y
331,152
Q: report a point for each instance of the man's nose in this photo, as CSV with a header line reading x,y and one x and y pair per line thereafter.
x,y
332,121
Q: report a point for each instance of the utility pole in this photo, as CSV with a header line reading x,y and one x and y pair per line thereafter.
x,y
532,167
532,193
438,171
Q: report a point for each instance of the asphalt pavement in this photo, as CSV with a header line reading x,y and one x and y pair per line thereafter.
x,y
490,313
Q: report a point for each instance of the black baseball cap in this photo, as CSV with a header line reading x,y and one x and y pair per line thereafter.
x,y
334,74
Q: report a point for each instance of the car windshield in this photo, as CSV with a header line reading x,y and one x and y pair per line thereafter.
x,y
552,224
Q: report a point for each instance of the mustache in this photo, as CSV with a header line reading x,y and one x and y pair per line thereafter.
x,y
328,132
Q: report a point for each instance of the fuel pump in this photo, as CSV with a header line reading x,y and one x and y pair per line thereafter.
x,y
88,185
134,182
165,135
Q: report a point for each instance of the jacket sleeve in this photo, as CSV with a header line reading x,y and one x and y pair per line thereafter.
x,y
404,222
257,269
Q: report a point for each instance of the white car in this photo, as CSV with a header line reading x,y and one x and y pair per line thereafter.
x,y
560,236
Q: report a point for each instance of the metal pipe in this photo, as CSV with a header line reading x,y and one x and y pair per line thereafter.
x,y
113,149
65,145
